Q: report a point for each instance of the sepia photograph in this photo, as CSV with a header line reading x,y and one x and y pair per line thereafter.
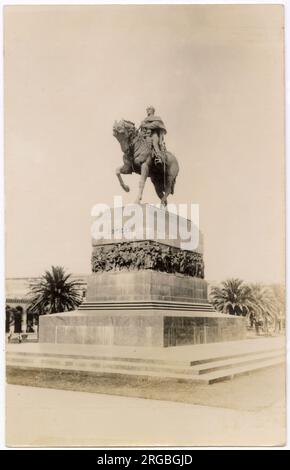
x,y
144,174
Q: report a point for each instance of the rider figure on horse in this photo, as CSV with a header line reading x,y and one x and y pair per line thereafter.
x,y
153,126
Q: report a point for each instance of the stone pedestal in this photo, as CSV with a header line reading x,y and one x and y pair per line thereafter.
x,y
138,327
144,292
146,286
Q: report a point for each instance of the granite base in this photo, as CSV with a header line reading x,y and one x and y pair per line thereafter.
x,y
140,328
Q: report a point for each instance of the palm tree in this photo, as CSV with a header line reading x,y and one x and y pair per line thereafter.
x,y
54,292
264,302
232,297
279,295
266,307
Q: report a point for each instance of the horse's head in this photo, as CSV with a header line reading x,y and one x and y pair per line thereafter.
x,y
124,130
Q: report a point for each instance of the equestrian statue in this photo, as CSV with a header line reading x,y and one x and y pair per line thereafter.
x,y
144,153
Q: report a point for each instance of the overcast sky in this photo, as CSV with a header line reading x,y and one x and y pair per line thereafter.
x,y
213,73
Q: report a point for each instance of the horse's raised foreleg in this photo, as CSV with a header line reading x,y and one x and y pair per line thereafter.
x,y
123,170
144,175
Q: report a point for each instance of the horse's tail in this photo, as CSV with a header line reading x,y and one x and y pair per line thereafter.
x,y
172,168
173,185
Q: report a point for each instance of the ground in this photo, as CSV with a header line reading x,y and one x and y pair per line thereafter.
x,y
252,392
248,410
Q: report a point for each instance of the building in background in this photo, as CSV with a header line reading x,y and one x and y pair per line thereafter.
x,y
18,318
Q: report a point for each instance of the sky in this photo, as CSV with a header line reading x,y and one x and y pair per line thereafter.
x,y
215,75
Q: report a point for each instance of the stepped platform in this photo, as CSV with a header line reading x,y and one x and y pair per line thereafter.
x,y
203,363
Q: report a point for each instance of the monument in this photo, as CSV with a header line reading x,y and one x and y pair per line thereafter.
x,y
147,286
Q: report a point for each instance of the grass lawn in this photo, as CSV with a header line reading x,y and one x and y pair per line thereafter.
x,y
252,392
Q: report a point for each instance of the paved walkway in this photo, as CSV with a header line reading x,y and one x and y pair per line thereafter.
x,y
180,353
46,417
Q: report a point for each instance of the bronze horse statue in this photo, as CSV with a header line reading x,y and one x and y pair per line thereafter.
x,y
138,158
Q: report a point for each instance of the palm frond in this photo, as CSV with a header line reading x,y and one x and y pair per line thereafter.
x,y
55,292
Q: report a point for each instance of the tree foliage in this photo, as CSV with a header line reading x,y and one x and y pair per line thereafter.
x,y
55,292
261,303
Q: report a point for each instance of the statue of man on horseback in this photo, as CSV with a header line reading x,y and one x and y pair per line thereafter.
x,y
144,153
155,128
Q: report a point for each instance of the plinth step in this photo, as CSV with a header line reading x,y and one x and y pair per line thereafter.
x,y
144,305
208,378
228,374
208,372
245,360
